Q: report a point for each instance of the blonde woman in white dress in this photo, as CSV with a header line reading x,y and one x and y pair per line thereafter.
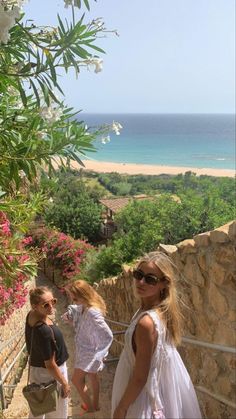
x,y
151,380
93,338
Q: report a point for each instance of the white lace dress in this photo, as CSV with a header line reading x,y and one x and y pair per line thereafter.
x,y
93,337
168,391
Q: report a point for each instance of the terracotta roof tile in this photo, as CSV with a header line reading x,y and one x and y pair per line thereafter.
x,y
115,204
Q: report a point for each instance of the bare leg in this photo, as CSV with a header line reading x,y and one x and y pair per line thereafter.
x,y
94,380
78,379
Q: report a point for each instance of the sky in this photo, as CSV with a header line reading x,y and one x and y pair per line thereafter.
x,y
171,56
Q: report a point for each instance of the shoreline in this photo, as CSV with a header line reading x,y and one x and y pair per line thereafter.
x,y
146,169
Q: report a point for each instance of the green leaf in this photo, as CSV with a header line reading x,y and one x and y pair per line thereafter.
x,y
61,24
87,4
35,91
52,70
44,89
22,94
94,47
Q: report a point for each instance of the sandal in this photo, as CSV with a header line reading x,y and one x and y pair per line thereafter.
x,y
84,406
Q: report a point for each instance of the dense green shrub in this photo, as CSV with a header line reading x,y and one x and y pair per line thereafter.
x,y
75,214
142,225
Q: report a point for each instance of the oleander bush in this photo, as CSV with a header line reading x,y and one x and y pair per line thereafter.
x,y
18,264
62,251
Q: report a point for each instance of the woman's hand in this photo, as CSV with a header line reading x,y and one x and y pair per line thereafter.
x,y
119,413
65,390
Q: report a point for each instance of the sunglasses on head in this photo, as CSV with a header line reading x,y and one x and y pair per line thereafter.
x,y
47,304
148,278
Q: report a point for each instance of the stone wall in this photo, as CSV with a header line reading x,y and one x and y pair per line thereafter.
x,y
207,268
14,327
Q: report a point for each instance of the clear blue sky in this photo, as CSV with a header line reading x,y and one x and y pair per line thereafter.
x,y
172,56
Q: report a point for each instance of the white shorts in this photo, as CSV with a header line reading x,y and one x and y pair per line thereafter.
x,y
41,375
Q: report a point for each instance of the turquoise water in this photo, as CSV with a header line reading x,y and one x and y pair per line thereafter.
x,y
201,141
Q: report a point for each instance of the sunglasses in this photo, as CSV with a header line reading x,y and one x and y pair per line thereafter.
x,y
49,303
148,278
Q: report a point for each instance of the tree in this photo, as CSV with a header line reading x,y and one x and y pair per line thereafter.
x,y
37,129
77,215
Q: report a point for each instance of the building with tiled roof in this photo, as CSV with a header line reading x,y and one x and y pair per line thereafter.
x,y
113,205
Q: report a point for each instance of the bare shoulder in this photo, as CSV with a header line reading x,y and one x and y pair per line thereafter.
x,y
146,324
145,332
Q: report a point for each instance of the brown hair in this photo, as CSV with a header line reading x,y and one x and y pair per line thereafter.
x,y
169,308
81,289
36,294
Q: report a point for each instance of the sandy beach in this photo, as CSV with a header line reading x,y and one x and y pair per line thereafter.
x,y
134,169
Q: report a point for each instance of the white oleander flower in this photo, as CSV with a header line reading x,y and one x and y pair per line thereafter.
x,y
71,3
116,127
42,135
50,114
97,62
7,21
98,65
22,174
106,139
10,3
98,23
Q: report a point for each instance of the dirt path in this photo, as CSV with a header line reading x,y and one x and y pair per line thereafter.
x,y
18,408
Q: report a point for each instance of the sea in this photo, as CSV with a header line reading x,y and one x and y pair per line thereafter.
x,y
190,140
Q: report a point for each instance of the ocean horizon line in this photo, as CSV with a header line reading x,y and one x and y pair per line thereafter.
x,y
158,113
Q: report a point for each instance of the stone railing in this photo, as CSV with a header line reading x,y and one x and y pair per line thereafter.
x,y
12,340
207,267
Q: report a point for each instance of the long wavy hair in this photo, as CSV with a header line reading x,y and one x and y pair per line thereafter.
x,y
169,308
81,289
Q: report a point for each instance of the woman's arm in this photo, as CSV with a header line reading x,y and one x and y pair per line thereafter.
x,y
55,372
145,341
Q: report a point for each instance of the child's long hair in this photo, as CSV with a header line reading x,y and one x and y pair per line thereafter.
x,y
169,307
81,289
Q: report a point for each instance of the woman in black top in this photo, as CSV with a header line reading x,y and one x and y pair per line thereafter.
x,y
49,352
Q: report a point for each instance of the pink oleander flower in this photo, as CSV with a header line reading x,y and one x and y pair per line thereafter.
x,y
23,258
27,240
4,225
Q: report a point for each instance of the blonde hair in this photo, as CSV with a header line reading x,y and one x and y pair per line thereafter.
x,y
81,289
35,294
169,308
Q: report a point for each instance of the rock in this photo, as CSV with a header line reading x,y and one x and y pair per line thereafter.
x,y
223,386
197,298
224,335
220,235
187,246
217,301
232,231
202,240
192,270
167,248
